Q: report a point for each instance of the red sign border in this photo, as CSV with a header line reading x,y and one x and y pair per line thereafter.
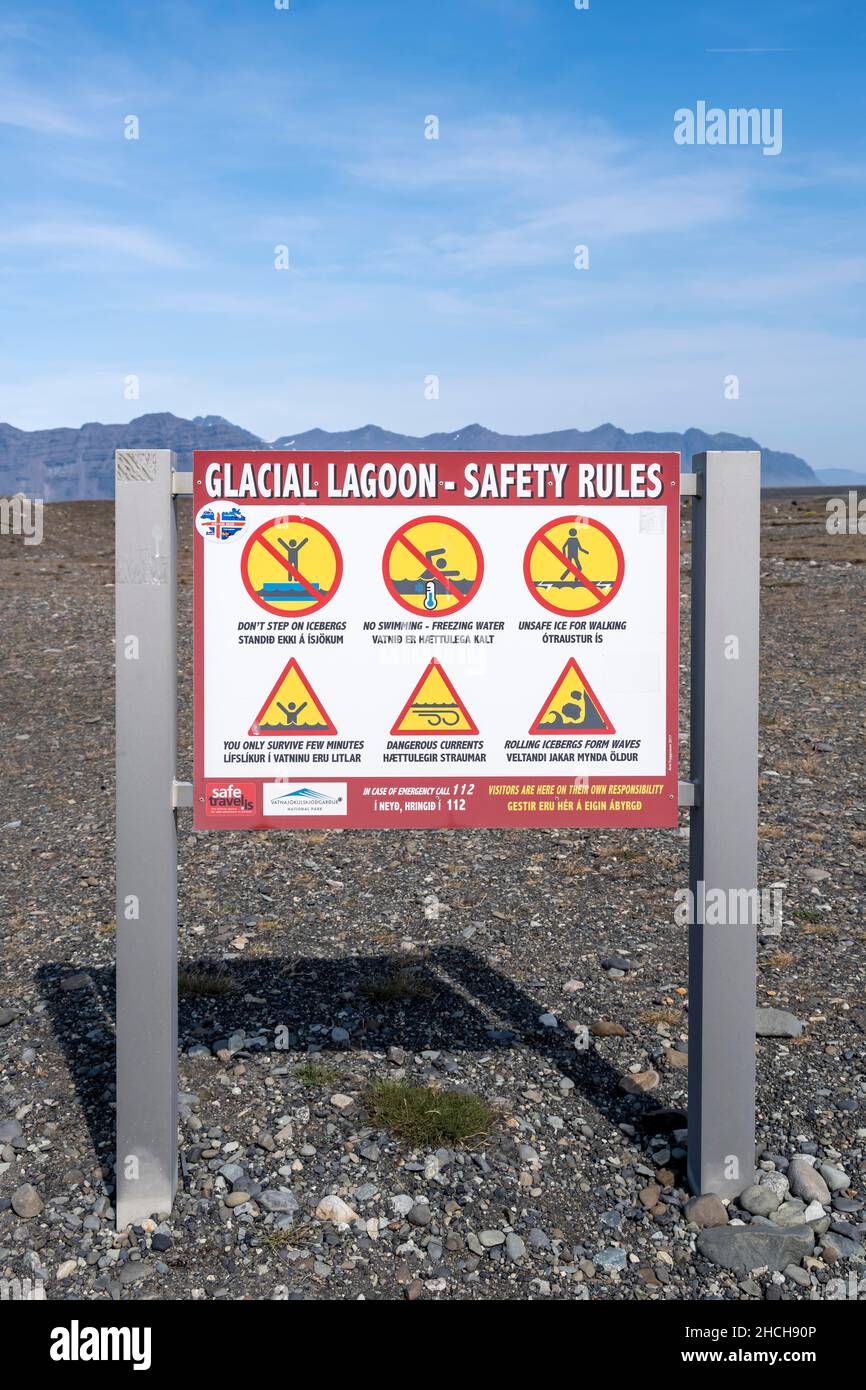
x,y
661,813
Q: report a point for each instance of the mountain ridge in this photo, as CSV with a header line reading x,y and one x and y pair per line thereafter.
x,y
68,464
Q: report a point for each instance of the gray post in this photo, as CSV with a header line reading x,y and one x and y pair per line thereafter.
x,y
724,823
146,694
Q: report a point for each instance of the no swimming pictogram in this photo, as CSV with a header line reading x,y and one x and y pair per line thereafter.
x,y
433,565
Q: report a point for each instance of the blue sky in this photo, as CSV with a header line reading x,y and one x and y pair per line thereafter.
x,y
411,257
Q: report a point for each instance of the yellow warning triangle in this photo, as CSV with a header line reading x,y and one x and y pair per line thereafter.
x,y
572,707
291,708
434,707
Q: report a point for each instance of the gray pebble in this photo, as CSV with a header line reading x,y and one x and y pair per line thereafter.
x,y
490,1239
806,1181
777,1023
26,1202
611,1259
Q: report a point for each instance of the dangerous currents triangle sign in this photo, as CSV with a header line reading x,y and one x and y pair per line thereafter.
x,y
434,707
293,707
572,707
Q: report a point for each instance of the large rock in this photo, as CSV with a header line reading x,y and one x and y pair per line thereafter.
x,y
777,1182
336,1210
777,1023
639,1082
26,1201
792,1212
707,1210
744,1248
283,1203
759,1200
836,1178
806,1181
837,1247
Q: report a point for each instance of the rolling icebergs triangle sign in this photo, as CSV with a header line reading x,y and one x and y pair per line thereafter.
x,y
572,707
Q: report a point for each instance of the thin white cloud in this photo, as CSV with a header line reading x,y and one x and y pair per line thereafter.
x,y
94,239
514,193
27,113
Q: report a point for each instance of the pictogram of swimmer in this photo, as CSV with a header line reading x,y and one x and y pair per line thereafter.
x,y
437,568
572,550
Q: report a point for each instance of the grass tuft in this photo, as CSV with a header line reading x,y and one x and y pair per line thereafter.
x,y
286,1237
204,980
780,960
313,1074
424,1116
396,984
668,1016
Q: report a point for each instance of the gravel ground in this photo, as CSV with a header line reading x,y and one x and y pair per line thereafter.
x,y
499,941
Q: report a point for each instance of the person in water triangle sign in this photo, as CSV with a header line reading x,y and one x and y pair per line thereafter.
x,y
292,708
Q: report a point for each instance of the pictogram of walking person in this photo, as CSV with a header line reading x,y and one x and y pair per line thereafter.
x,y
572,550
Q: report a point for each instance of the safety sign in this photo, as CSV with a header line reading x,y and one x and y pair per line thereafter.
x,y
433,565
434,707
433,639
281,575
555,575
572,707
291,708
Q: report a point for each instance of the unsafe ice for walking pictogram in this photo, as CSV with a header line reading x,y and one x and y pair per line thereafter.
x,y
291,708
572,707
434,707
573,565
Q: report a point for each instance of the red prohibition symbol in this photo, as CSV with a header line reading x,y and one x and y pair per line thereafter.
x,y
433,566
291,566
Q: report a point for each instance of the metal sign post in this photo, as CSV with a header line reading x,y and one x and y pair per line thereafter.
x,y
723,861
723,832
146,688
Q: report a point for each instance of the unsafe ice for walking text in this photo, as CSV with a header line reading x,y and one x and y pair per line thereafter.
x,y
435,639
